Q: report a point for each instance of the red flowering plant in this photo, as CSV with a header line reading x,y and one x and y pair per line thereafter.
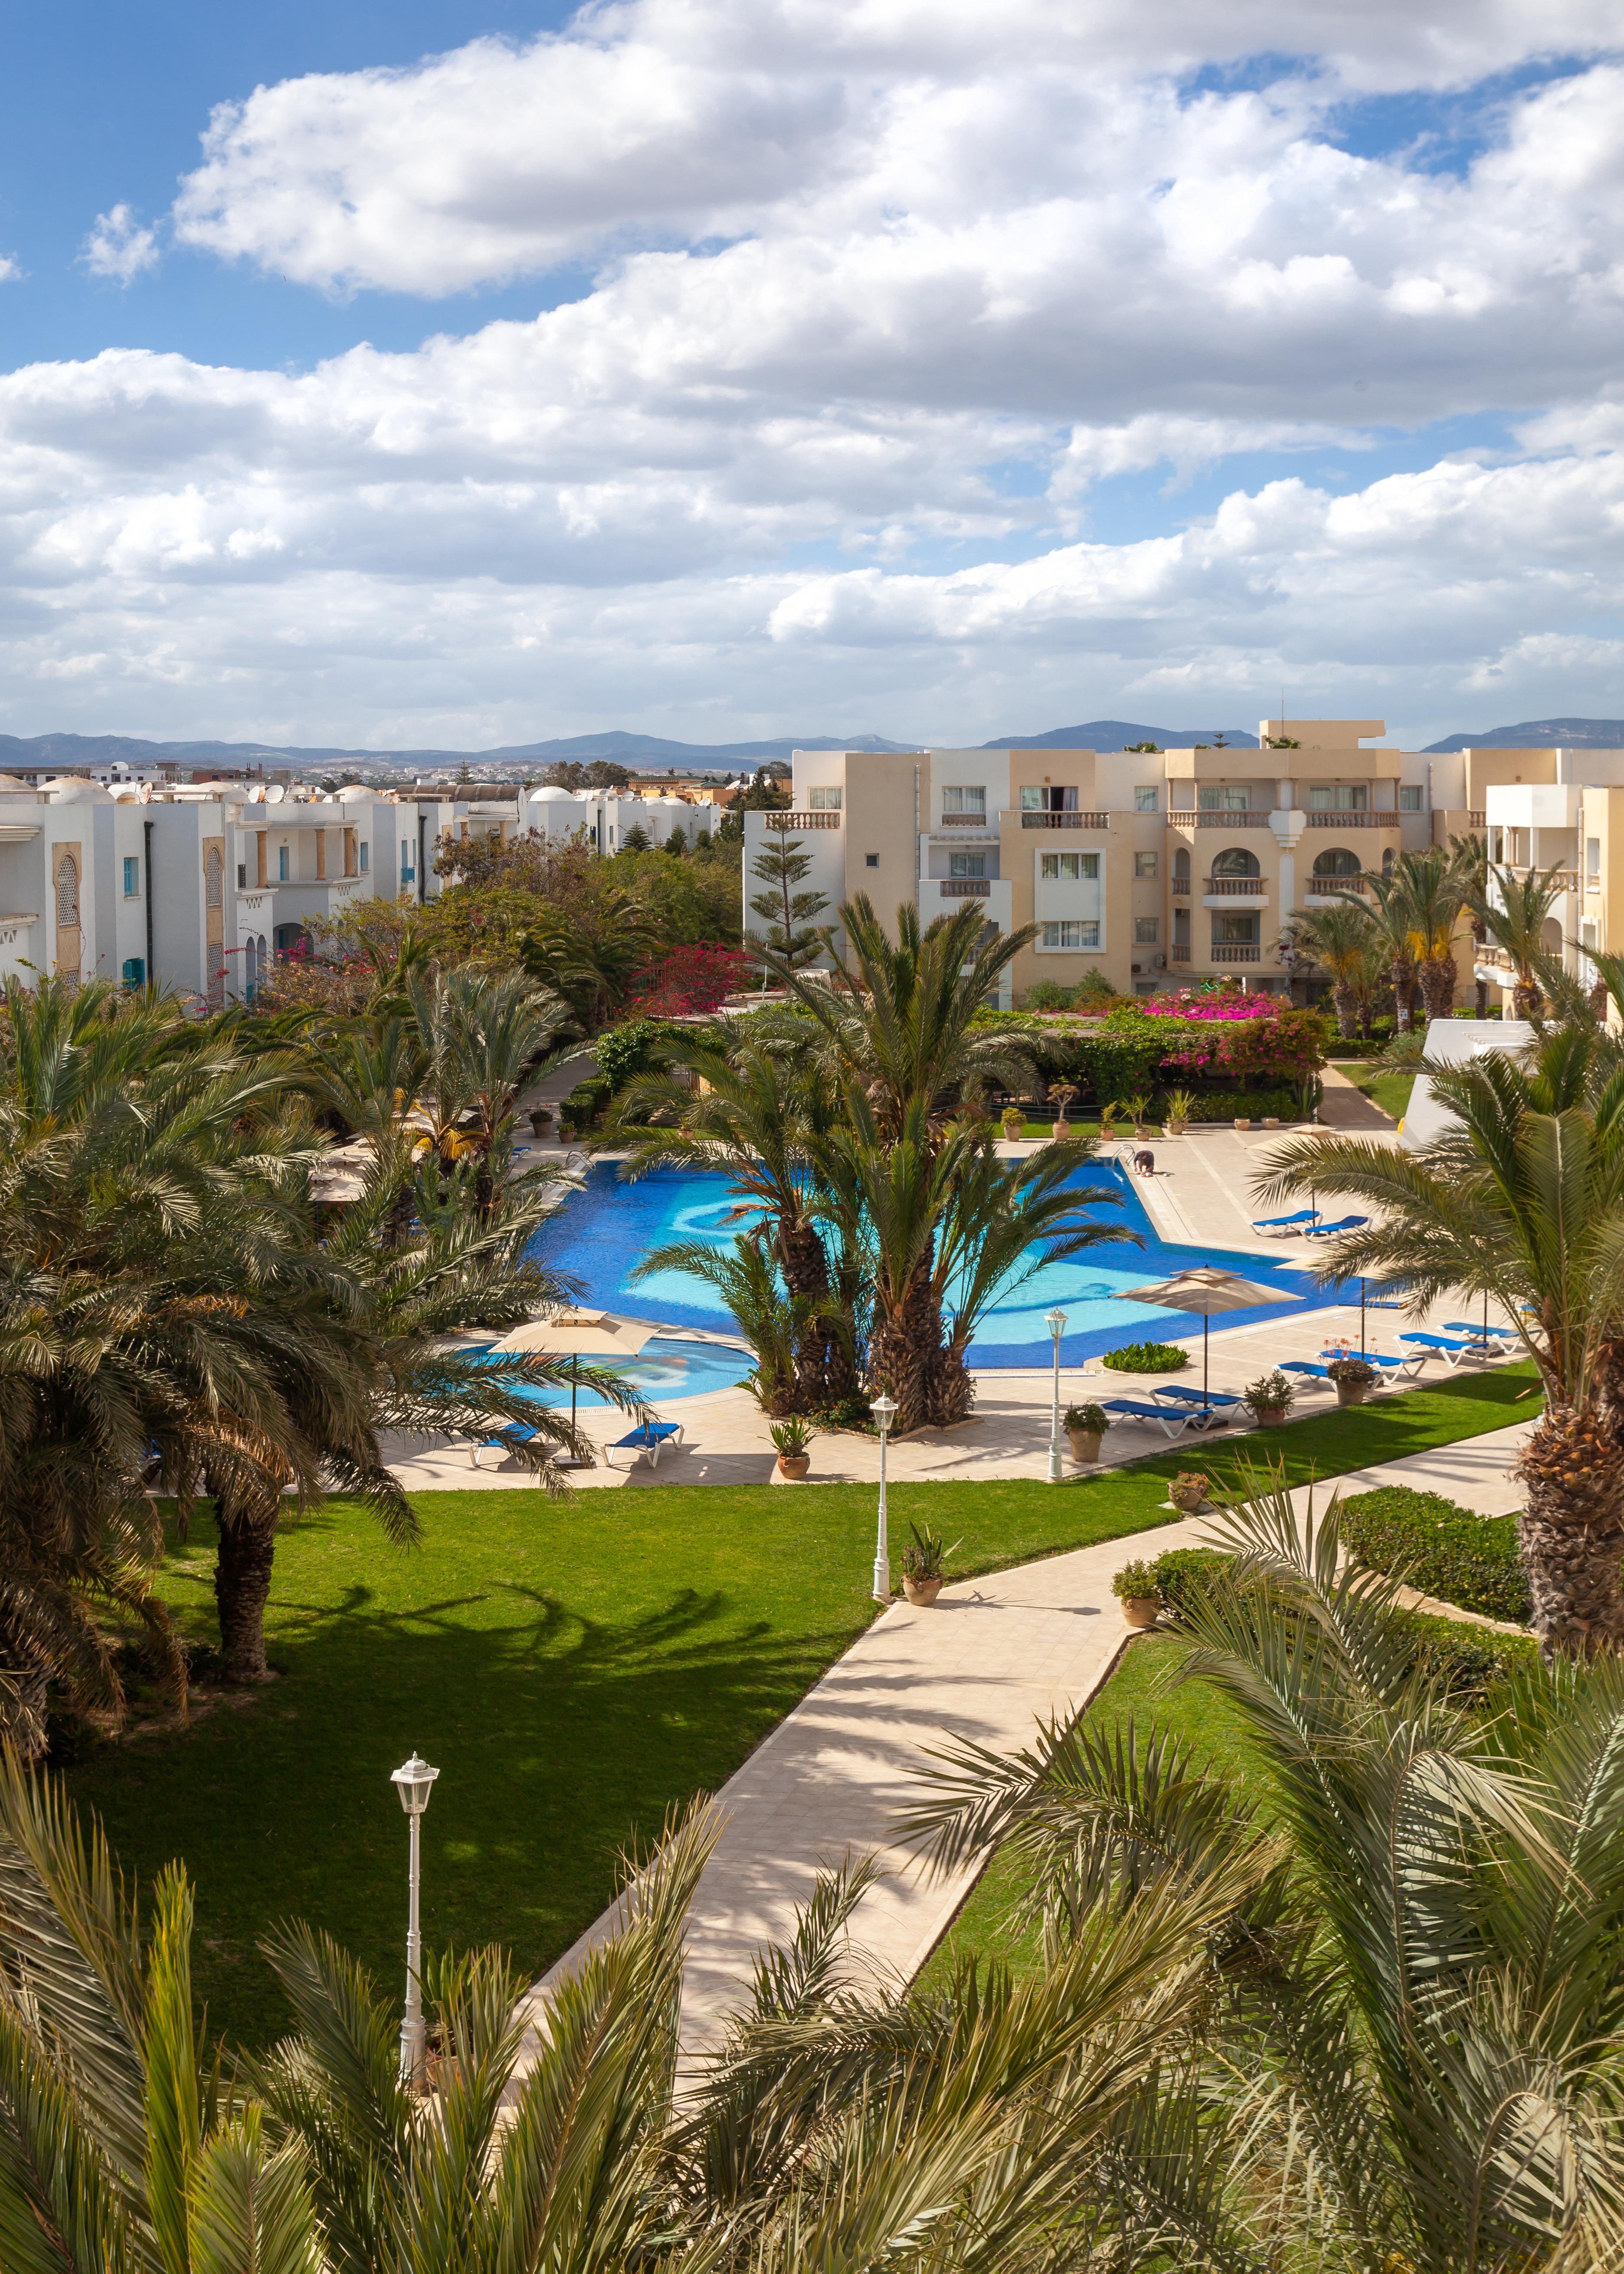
x,y
1246,1036
693,980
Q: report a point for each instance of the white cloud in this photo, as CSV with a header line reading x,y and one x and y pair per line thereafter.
x,y
118,247
10,271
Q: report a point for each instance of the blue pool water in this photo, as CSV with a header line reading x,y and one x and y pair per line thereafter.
x,y
602,1230
666,1367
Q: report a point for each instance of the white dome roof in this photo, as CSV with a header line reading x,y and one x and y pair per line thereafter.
x,y
73,789
551,793
10,786
355,794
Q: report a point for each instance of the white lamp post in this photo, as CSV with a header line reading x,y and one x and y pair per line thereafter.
x,y
414,1781
1057,1324
884,1411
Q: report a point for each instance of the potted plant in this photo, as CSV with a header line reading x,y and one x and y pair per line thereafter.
x,y
1140,1107
1271,1121
922,1560
1060,1097
793,1438
1135,1589
1014,1123
1176,1111
1243,1121
541,1120
1084,1425
1188,1490
1354,1377
1270,1399
1107,1123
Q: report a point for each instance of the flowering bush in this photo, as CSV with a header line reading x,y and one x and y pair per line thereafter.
x,y
694,979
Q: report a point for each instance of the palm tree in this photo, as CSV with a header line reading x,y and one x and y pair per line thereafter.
x,y
1513,910
1521,1200
1341,939
1404,2053
1395,937
1430,888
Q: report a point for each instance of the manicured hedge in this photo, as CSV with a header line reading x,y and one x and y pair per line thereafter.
x,y
1442,1549
1147,1358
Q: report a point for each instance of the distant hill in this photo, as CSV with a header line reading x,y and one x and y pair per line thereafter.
x,y
1540,734
650,750
1117,734
71,751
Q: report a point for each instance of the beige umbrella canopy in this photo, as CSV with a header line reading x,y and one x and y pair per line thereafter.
x,y
575,1335
1206,1290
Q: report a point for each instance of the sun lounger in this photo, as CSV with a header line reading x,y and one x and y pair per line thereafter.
x,y
1305,1366
1170,1422
1288,1223
649,1437
1204,1412
1342,1223
1504,1335
505,1440
1450,1348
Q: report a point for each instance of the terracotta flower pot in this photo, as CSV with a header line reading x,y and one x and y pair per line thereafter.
x,y
1140,1610
1352,1393
794,1465
1242,1121
1188,1497
1085,1444
1174,1128
1272,1416
1060,1128
1271,1121
923,1591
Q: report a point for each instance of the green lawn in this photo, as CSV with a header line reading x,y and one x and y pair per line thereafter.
x,y
1137,1692
573,1669
1390,1091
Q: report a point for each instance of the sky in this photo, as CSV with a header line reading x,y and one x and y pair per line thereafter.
x,y
459,374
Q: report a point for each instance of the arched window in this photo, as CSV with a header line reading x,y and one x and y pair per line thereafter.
x,y
1337,862
1235,860
67,893
214,873
250,968
1181,862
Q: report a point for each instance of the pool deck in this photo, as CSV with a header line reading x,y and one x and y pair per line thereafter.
x,y
1199,1198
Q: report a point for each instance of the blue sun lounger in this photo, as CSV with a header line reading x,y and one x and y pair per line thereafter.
x,y
651,1437
1168,1420
1504,1336
504,1441
1451,1348
1287,1223
1205,1413
1343,1223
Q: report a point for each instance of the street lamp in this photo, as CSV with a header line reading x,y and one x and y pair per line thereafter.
x,y
884,1411
1057,1324
414,1781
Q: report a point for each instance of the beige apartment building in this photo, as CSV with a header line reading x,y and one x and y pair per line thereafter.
x,y
1160,868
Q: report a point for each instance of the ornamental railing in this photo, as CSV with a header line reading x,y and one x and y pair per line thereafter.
x,y
802,820
1235,888
964,820
1362,817
1065,820
965,888
1236,954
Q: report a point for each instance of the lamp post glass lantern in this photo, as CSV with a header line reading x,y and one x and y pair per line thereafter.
x,y
1057,1324
884,1411
414,1781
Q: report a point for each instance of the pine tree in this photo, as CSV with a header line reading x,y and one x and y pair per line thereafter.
x,y
790,933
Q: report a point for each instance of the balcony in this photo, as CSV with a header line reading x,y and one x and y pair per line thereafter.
x,y
1180,885
1355,817
1476,820
1236,954
1235,888
1177,954
1065,821
1328,888
1188,817
802,820
964,821
965,888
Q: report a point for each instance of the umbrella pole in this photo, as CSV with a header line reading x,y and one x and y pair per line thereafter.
x,y
1361,1315
575,1383
1207,1403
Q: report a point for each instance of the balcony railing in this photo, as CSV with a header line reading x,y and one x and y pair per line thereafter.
x,y
964,821
1178,955
1320,885
965,888
1188,817
1065,821
1476,820
1236,954
1362,817
1235,888
1181,884
802,820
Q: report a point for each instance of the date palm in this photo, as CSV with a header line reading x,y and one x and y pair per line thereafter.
x,y
1340,940
1431,888
1521,1199
1514,911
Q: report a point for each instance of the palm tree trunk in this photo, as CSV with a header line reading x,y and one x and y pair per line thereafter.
x,y
1526,998
1404,980
242,1589
1347,1002
1572,1534
905,1352
1439,976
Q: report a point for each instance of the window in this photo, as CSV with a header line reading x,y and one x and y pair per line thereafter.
x,y
1033,800
281,864
1337,797
1410,797
1145,797
964,797
132,876
1071,867
242,875
1145,864
1234,932
1071,935
1235,860
1592,856
871,860
213,878
965,864
67,892
824,799
134,972
366,857
1144,986
1337,862
1225,797
1144,931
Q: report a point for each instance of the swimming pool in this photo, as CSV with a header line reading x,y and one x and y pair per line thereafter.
x,y
666,1368
602,1229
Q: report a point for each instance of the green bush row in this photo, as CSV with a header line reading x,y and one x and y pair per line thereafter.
x,y
1435,1545
587,1100
1147,1358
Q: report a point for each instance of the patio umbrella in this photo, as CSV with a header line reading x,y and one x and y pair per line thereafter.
x,y
1208,1291
576,1335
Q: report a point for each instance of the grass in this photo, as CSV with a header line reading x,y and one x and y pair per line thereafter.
x,y
574,1669
1138,1692
1390,1091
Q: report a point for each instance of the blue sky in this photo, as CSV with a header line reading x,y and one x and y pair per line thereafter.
x,y
724,367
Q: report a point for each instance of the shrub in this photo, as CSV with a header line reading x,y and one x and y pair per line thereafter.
x,y
1442,1549
1245,1104
1135,1582
1087,1417
633,1048
1183,1573
1147,1358
1270,1393
1047,995
587,1100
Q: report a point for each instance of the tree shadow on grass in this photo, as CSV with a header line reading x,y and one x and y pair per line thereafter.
x,y
559,1736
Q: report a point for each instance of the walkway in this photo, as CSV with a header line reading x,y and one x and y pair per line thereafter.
x,y
1345,1106
993,1657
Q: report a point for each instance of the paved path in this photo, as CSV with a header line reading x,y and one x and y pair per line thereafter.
x,y
1345,1106
992,1658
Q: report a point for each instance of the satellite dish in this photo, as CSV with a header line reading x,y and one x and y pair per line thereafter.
x,y
143,796
276,793
256,796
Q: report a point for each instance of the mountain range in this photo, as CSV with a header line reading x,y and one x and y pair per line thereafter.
x,y
72,752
